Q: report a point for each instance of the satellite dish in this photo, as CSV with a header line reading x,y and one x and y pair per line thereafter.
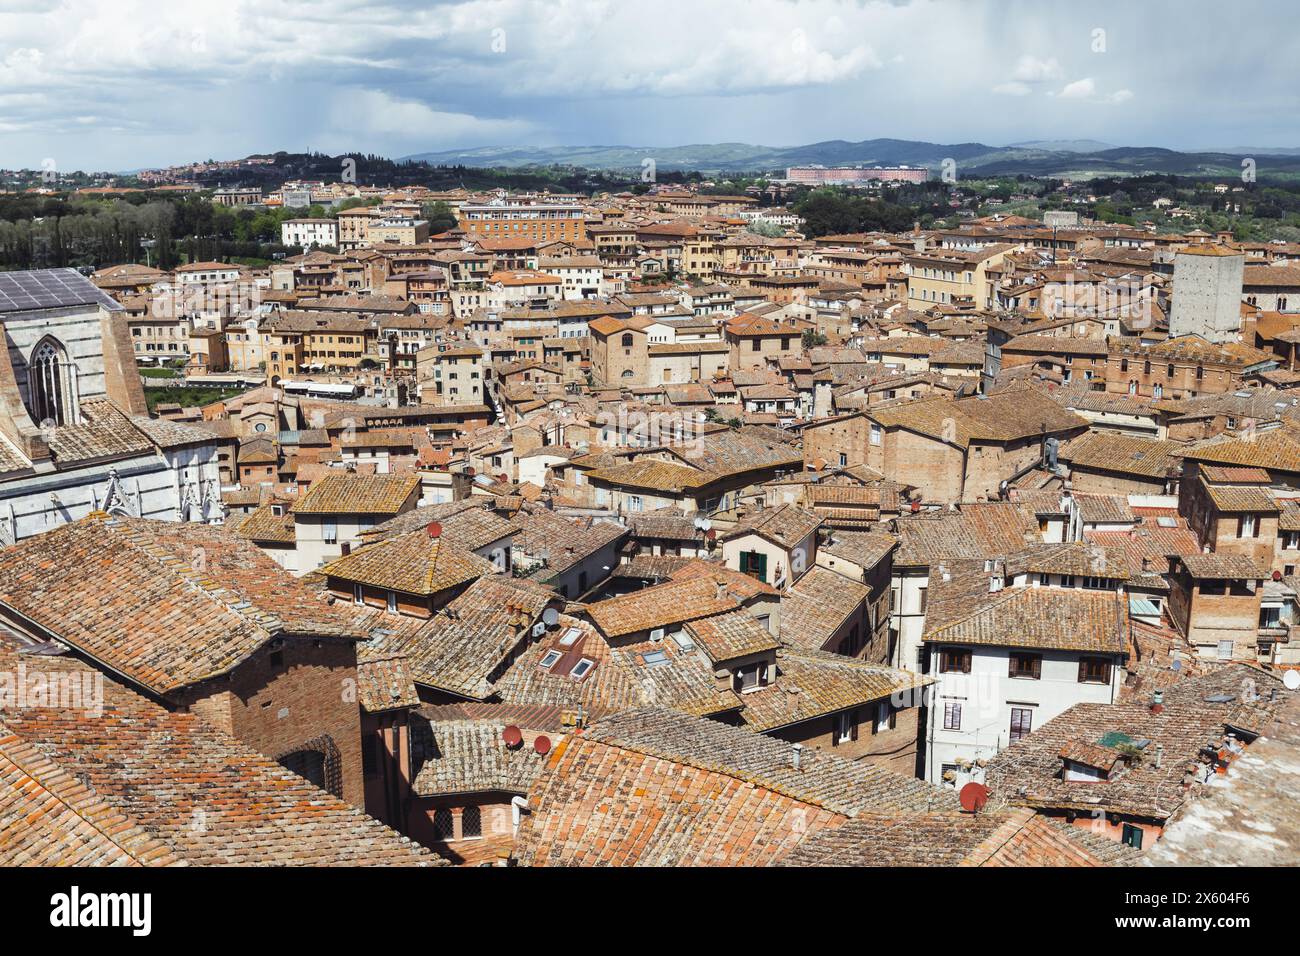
x,y
1291,680
542,745
705,524
550,616
1176,666
513,736
973,796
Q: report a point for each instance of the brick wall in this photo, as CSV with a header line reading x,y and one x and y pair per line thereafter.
x,y
282,705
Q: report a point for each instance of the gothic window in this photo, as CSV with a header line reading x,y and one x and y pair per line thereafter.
x,y
51,385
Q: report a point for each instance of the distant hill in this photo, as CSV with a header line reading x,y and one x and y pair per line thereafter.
x,y
1071,158
1065,145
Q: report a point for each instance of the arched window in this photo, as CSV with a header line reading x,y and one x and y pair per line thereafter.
x,y
471,823
627,340
316,761
51,386
308,764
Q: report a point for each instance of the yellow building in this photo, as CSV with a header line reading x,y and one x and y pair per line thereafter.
x,y
952,277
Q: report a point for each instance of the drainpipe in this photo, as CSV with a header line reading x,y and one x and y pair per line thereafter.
x,y
518,805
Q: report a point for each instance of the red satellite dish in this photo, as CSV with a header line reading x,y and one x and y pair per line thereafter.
x,y
542,745
503,478
711,535
513,736
470,471
1277,575
973,796
435,529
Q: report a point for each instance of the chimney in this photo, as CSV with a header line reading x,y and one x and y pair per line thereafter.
x,y
1160,754
796,760
346,548
1158,702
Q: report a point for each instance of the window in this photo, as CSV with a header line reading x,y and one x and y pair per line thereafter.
x,y
357,596
1022,719
875,434
548,659
627,340
370,755
1025,665
329,531
655,658
954,660
1095,583
922,594
1225,650
1247,527
1132,836
750,677
444,827
952,716
50,390
1094,670
392,601
471,823
844,460
1270,616
754,563
581,669
846,726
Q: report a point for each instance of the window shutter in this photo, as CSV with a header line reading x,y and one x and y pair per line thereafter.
x,y
1038,667
1083,669
853,725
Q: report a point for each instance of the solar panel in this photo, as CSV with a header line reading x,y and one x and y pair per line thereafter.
x,y
49,289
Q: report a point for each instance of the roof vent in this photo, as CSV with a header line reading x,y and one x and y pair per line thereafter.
x,y
1158,702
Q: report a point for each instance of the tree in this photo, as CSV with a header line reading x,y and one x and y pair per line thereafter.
x,y
439,215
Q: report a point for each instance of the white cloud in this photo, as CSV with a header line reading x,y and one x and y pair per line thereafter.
x,y
1080,89
376,113
1030,69
1121,96
1014,88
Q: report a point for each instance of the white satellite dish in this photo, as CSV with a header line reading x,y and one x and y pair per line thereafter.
x,y
550,616
1291,680
706,524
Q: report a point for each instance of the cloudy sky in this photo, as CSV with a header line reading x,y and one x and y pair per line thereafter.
x,y
116,84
